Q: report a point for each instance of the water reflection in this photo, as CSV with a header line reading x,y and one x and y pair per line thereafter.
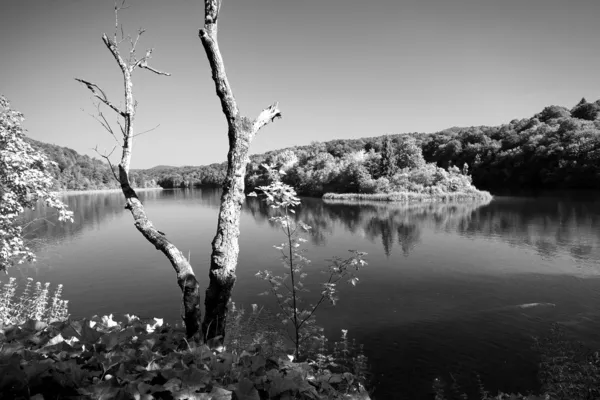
x,y
90,211
395,223
551,226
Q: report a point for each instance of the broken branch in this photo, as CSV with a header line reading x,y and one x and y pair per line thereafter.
x,y
266,116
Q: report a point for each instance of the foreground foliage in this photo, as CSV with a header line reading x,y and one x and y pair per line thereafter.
x,y
568,370
24,181
100,358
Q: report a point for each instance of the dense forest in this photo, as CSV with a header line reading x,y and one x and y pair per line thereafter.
x,y
556,148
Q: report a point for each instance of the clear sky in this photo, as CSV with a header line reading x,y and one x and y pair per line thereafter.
x,y
339,68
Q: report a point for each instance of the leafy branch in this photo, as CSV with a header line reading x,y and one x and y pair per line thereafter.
x,y
282,198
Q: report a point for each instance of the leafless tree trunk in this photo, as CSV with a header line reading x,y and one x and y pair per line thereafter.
x,y
185,275
241,131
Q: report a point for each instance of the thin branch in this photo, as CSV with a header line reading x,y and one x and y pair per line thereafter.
x,y
317,306
156,71
122,129
104,123
117,9
107,158
143,63
100,95
149,130
134,44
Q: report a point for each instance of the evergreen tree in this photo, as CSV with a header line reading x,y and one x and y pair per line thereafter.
x,y
389,162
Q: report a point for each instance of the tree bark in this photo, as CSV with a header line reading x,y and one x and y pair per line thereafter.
x,y
192,311
241,131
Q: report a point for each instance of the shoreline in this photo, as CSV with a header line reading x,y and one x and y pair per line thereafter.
x,y
72,192
410,197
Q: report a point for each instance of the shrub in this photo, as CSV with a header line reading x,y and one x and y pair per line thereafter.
x,y
287,288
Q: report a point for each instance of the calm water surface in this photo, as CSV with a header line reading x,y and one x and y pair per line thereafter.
x,y
440,295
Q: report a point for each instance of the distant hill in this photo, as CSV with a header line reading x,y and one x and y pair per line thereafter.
x,y
161,168
81,172
555,148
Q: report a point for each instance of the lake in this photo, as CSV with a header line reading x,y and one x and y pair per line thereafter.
x,y
439,299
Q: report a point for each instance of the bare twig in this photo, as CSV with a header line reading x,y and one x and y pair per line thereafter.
x,y
143,63
122,128
100,95
102,120
134,44
117,9
149,130
107,158
156,71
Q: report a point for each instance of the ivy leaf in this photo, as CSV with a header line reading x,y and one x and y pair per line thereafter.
x,y
245,390
105,390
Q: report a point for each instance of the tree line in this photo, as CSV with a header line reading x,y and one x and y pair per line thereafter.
x,y
74,171
557,148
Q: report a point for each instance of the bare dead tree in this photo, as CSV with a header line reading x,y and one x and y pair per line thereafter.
x,y
241,131
185,275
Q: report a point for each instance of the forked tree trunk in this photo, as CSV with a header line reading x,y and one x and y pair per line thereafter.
x,y
241,131
192,311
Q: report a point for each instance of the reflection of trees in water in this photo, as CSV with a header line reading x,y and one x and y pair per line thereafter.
x,y
396,222
310,212
209,197
549,225
391,223
90,210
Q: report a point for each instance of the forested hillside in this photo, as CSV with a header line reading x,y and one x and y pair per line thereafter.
x,y
556,148
74,171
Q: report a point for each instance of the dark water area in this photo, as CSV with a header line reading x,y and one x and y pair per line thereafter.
x,y
439,299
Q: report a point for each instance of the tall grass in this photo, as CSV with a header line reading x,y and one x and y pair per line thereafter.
x,y
259,327
36,302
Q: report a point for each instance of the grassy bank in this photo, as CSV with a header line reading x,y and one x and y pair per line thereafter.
x,y
412,197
